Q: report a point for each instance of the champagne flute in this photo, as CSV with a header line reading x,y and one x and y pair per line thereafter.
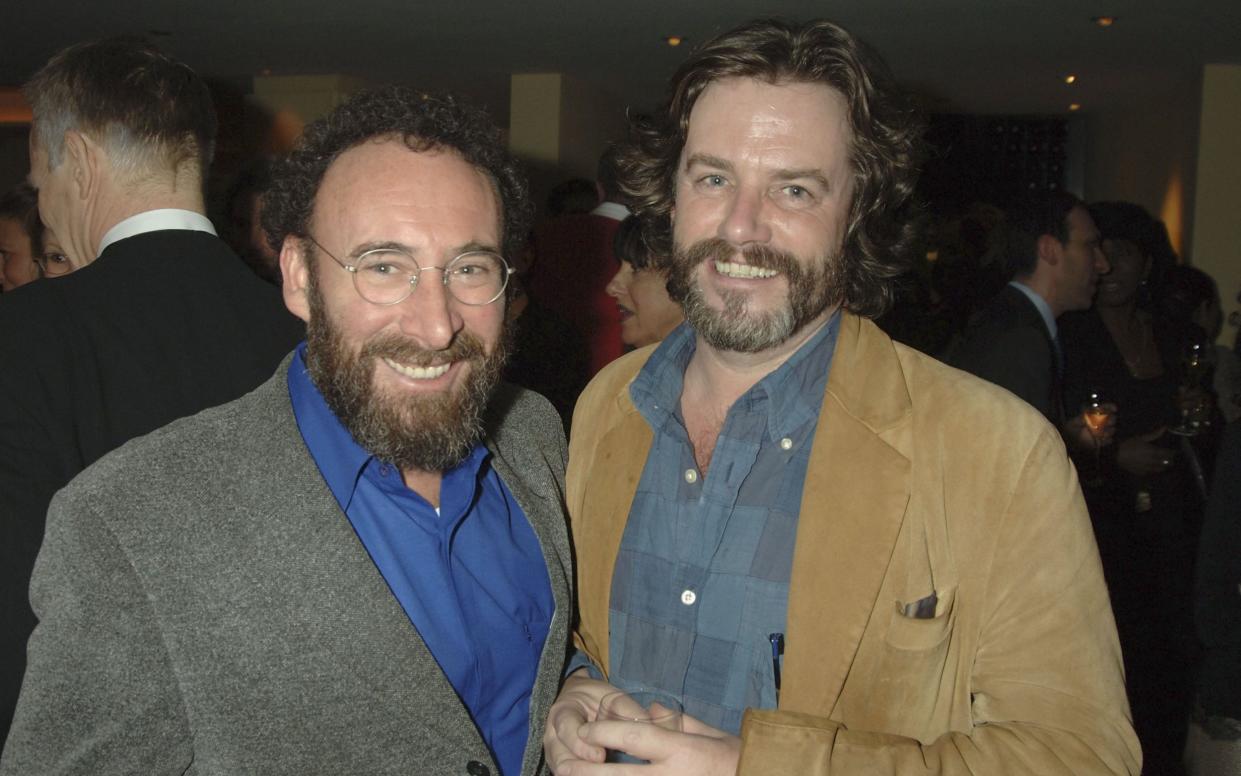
x,y
643,706
1194,408
1095,411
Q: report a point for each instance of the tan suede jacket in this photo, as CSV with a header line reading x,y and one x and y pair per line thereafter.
x,y
922,480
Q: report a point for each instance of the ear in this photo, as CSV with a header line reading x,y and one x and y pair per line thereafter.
x,y
87,161
296,271
1049,249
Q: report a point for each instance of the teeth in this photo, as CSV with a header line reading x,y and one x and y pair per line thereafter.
x,y
732,270
418,372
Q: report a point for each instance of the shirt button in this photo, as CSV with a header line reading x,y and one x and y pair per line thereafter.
x,y
786,444
383,470
691,476
688,597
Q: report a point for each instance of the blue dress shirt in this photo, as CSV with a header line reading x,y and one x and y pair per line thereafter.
x,y
470,577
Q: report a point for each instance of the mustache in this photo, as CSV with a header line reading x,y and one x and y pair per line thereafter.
x,y
716,249
465,347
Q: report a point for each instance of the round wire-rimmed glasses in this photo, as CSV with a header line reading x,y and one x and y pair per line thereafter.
x,y
54,264
387,276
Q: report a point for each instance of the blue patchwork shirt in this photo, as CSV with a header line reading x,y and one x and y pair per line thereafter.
x,y
702,575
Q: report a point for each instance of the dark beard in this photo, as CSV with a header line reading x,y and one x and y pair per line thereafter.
x,y
428,433
811,291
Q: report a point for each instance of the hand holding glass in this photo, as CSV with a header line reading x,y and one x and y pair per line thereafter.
x,y
1096,411
643,706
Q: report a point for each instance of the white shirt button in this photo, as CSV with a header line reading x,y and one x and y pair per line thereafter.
x,y
688,597
691,476
786,444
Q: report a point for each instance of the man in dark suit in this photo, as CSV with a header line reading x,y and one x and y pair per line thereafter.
x,y
1055,259
363,565
163,321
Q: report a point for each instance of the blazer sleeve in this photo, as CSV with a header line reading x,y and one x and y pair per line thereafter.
x,y
99,695
1046,681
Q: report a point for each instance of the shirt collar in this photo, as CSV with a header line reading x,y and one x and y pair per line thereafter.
x,y
1040,304
613,210
794,391
154,221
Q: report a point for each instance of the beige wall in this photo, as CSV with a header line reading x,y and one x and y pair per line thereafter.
x,y
1148,154
558,126
1217,210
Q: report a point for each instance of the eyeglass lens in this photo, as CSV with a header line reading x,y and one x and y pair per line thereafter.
x,y
388,276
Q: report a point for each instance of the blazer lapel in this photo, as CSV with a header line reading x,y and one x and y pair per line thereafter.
x,y
345,602
855,498
599,521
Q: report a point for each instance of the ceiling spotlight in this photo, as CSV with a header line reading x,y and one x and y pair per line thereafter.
x,y
1069,79
1074,106
1103,21
673,40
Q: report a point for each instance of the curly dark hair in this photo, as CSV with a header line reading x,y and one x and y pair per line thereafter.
x,y
885,150
425,122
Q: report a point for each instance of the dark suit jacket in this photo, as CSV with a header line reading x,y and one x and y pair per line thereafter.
x,y
160,326
1008,344
205,607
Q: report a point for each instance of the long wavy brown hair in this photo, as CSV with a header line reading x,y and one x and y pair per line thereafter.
x,y
884,154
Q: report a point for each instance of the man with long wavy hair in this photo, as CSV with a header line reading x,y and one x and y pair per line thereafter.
x,y
840,556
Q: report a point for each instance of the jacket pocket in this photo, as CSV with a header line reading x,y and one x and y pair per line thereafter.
x,y
909,633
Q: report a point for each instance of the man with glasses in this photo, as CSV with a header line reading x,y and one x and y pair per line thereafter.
x,y
360,567
165,322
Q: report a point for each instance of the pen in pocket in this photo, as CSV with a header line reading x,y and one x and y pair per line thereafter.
x,y
777,654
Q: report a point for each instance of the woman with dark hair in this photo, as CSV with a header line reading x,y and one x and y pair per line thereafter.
x,y
20,237
640,287
28,249
1145,503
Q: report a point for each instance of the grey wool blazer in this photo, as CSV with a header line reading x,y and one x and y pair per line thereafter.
x,y
206,608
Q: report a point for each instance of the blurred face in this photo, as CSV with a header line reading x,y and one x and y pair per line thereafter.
x,y
56,260
17,265
249,239
1129,267
763,193
647,313
1081,262
409,380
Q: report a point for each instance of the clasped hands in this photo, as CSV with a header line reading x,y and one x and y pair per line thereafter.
x,y
575,744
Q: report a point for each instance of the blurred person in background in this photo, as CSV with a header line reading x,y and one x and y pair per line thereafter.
x,y
1213,747
640,287
21,233
244,209
162,321
572,261
1146,504
1191,298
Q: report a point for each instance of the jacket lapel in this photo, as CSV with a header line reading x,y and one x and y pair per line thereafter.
x,y
618,462
344,600
539,499
856,493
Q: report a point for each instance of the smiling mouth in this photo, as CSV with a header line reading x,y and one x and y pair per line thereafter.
x,y
419,372
731,269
